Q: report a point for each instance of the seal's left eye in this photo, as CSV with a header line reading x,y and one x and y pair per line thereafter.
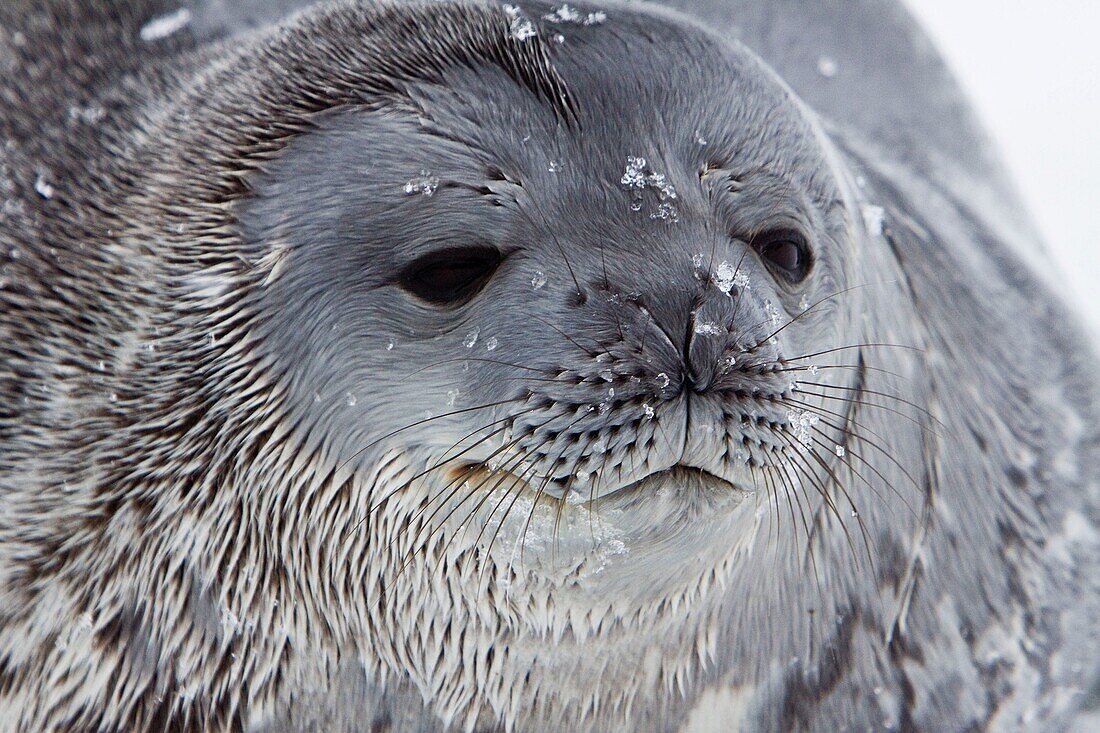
x,y
785,253
452,276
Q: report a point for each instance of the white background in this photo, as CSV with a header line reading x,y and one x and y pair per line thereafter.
x,y
1032,70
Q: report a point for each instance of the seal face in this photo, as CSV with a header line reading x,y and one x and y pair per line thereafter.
x,y
455,367
590,314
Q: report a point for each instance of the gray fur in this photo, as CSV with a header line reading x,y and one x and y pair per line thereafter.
x,y
224,507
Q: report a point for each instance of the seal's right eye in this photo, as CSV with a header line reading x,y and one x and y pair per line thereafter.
x,y
450,277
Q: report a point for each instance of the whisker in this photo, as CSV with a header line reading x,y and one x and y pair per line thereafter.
x,y
500,525
789,486
865,390
789,359
816,304
566,336
857,367
374,507
835,481
553,236
886,454
849,400
459,483
546,482
849,451
423,421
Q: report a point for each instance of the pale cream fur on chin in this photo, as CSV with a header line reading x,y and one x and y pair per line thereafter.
x,y
722,709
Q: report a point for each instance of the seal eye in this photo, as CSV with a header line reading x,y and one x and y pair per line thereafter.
x,y
785,253
452,276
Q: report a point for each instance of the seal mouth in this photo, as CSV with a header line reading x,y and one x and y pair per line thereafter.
x,y
679,476
679,479
676,475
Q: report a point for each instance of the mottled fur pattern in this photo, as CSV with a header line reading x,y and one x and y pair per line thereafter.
x,y
187,542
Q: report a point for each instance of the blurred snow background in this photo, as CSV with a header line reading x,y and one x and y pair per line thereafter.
x,y
1032,69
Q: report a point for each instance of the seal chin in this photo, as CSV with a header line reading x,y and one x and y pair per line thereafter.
x,y
679,522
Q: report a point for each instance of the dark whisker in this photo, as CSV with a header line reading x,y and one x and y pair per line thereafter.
x,y
865,390
566,336
865,403
835,481
857,367
546,482
816,304
444,461
789,359
464,410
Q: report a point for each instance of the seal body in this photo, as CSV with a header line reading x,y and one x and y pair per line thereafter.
x,y
544,367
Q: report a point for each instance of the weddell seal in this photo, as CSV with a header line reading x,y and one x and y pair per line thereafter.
x,y
459,366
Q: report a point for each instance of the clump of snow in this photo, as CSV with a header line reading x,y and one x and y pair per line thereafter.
x,y
648,411
521,27
666,212
538,280
567,14
166,25
663,380
90,115
725,277
707,328
555,166
351,399
491,343
840,451
638,177
873,219
635,176
827,67
606,550
773,313
800,423
425,184
44,189
471,338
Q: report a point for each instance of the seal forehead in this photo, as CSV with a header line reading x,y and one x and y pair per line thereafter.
x,y
638,84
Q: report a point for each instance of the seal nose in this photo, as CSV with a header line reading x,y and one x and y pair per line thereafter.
x,y
711,339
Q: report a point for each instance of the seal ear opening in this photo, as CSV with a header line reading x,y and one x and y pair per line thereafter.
x,y
450,277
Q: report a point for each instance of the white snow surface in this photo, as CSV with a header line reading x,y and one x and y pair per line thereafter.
x,y
1032,70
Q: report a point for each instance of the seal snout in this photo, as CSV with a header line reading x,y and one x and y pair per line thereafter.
x,y
652,380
